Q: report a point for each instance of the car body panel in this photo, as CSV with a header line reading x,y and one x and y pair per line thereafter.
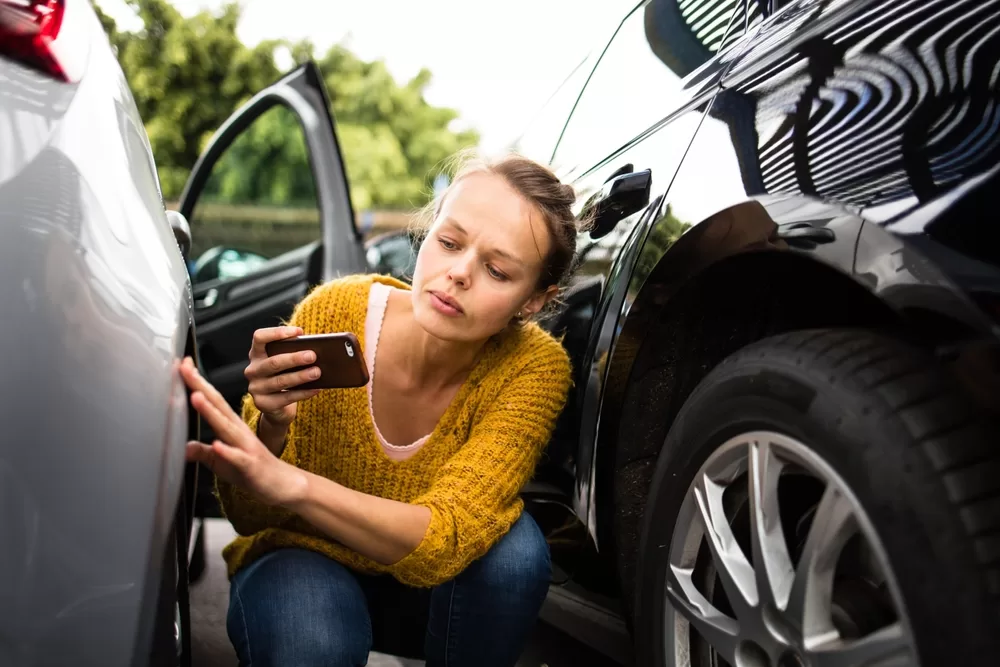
x,y
939,258
97,311
787,152
612,259
888,109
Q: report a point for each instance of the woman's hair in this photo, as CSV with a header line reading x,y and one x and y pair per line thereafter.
x,y
540,187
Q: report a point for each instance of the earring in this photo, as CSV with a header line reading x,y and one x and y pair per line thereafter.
x,y
519,316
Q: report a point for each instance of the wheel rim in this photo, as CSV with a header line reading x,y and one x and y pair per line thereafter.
x,y
774,601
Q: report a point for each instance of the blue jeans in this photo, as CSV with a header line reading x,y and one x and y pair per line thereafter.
x,y
298,608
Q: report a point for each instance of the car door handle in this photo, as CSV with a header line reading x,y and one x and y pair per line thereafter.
x,y
804,233
621,195
208,299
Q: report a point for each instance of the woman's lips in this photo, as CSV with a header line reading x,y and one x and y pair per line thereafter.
x,y
445,305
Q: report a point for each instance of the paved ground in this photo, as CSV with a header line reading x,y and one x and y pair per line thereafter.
x,y
211,648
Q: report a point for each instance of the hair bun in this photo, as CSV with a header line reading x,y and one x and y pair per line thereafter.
x,y
568,193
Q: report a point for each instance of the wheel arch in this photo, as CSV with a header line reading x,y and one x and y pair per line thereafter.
x,y
669,341
754,295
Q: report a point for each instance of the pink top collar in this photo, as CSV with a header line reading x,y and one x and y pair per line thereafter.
x,y
378,298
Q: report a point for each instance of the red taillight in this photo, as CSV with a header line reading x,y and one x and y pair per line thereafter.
x,y
32,32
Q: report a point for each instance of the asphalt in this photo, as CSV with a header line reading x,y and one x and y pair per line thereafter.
x,y
549,647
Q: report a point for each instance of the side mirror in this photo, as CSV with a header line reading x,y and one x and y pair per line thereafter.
x,y
621,196
182,231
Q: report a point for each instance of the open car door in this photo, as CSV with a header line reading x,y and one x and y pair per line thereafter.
x,y
270,216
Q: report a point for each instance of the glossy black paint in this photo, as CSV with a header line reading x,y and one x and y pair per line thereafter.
x,y
833,165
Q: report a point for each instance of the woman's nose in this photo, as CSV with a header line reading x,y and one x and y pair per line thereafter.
x,y
461,270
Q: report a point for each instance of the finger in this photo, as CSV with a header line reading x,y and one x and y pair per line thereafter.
x,y
286,381
223,426
196,382
279,401
211,455
279,363
272,403
199,452
262,337
231,455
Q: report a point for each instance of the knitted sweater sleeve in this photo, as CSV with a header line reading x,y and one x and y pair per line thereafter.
x,y
474,499
248,515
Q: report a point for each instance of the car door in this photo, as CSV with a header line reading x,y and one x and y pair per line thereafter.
x,y
630,135
271,217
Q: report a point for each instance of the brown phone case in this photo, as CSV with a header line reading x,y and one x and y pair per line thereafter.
x,y
338,356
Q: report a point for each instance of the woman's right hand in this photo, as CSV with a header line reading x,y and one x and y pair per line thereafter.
x,y
272,387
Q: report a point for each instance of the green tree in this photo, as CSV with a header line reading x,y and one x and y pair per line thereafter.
x,y
393,140
266,165
189,74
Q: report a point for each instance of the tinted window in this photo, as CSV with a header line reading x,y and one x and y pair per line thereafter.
x,y
539,139
638,80
661,153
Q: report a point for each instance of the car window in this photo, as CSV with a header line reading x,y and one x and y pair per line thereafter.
x,y
661,153
638,80
259,201
539,139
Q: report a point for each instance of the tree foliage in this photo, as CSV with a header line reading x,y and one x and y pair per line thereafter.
x,y
188,74
393,140
266,165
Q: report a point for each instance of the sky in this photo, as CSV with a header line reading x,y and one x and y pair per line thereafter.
x,y
495,63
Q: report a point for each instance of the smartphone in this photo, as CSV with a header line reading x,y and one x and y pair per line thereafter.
x,y
338,356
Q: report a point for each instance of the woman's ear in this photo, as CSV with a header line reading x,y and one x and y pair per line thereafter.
x,y
538,301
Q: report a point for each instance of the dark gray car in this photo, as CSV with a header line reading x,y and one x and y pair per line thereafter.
x,y
97,306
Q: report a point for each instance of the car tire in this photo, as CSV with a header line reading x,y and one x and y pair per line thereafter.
x,y
867,429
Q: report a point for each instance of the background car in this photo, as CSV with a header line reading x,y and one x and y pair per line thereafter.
x,y
781,448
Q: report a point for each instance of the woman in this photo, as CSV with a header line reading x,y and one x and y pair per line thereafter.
x,y
354,503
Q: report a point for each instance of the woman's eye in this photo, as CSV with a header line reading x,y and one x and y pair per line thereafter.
x,y
446,244
496,274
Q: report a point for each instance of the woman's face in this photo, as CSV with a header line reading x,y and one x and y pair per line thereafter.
x,y
481,261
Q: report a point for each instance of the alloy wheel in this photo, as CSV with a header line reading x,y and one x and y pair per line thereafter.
x,y
774,563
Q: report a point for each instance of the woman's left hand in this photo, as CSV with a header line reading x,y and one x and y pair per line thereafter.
x,y
237,456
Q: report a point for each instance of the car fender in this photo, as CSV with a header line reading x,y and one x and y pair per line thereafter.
x,y
650,273
893,261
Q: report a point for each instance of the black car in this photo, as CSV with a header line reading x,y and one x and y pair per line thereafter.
x,y
782,445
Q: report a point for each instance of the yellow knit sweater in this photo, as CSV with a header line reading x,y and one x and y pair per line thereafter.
x,y
469,472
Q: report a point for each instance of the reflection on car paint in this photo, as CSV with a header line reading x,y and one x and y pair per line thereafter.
x,y
833,116
93,290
